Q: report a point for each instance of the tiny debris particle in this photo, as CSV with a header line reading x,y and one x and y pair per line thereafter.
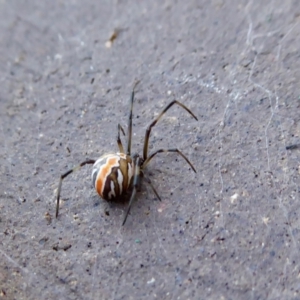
x,y
21,200
265,220
234,197
112,38
43,240
292,147
48,217
137,241
67,247
152,280
56,247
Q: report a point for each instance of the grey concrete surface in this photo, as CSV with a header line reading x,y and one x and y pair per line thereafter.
x,y
231,231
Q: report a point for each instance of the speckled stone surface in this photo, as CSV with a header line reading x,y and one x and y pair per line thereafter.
x,y
231,231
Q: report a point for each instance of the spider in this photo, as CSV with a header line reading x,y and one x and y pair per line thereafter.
x,y
115,173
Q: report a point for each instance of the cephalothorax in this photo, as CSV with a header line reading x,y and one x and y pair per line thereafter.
x,y
114,174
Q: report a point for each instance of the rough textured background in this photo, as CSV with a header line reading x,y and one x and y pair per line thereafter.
x,y
229,232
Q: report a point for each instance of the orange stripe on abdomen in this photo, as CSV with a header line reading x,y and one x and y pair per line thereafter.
x,y
104,171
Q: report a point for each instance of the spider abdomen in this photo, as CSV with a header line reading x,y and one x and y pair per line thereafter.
x,y
112,175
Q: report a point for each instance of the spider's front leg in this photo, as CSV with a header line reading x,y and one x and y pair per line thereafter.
x,y
168,150
148,131
130,120
120,145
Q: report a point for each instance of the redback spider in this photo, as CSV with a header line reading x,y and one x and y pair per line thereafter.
x,y
115,173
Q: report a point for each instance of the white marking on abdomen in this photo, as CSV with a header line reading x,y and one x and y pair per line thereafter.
x,y
120,181
94,170
112,190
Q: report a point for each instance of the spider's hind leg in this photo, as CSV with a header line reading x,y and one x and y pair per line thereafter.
x,y
63,176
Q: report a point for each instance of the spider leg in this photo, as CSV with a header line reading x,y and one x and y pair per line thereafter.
x,y
120,128
148,131
168,150
89,161
150,183
130,120
136,182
